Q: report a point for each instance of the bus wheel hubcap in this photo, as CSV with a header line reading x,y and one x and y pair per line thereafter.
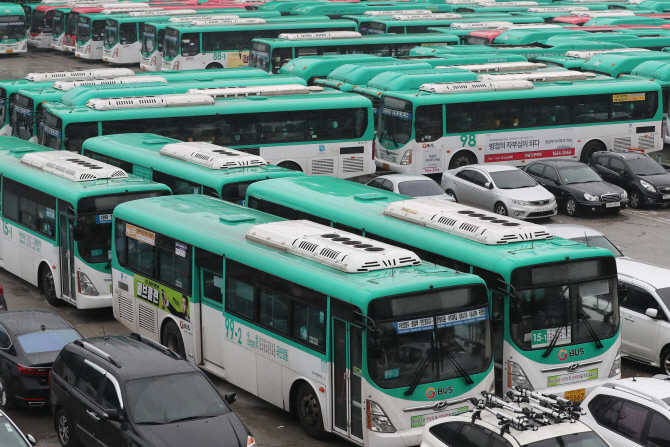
x,y
310,409
49,283
63,430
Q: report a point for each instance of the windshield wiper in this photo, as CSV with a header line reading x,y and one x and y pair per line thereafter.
x,y
191,418
457,366
418,374
599,345
553,342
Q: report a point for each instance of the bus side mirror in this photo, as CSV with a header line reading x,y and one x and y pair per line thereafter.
x,y
375,345
496,320
623,294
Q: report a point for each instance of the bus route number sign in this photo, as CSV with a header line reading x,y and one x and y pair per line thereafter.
x,y
543,337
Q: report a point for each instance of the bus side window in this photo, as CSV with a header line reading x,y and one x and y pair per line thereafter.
x,y
77,133
190,44
428,121
177,185
211,268
591,109
212,42
31,208
128,167
174,262
460,118
141,256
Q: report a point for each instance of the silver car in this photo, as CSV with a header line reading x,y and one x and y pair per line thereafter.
x,y
502,188
413,185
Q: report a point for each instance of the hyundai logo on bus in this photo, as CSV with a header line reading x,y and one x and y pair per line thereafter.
x,y
441,405
574,367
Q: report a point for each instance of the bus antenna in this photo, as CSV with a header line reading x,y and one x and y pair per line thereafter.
x,y
587,240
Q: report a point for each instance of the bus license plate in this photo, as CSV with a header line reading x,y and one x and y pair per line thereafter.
x,y
576,395
385,166
612,204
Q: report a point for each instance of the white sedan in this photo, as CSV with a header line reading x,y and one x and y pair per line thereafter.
x,y
502,188
413,185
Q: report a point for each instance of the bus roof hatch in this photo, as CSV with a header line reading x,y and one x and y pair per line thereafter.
x,y
88,74
75,167
69,85
211,156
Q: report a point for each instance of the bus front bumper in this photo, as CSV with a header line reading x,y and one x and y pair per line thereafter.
x,y
94,302
149,64
39,41
18,47
84,52
575,388
401,438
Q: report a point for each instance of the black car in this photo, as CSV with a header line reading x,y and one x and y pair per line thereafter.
x,y
577,187
131,391
30,341
647,182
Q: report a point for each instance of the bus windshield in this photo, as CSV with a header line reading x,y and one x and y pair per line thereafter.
x,y
12,27
95,221
111,32
260,56
22,117
546,308
171,43
447,328
37,22
149,40
72,20
84,30
376,28
396,124
50,131
58,23
477,40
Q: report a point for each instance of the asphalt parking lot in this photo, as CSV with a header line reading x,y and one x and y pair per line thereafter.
x,y
641,234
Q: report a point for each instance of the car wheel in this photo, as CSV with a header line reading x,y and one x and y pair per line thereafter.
x,y
462,158
309,412
64,428
450,193
49,287
589,149
665,361
500,208
635,199
5,396
171,338
571,207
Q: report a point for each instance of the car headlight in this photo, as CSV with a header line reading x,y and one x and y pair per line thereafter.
x,y
517,378
590,198
406,158
616,366
624,195
647,186
378,420
552,200
86,287
519,202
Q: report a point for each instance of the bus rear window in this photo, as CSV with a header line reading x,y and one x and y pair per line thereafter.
x,y
376,28
235,192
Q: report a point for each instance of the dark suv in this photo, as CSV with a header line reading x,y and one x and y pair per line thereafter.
x,y
647,182
131,391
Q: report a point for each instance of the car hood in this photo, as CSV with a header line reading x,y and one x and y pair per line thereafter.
x,y
594,188
530,194
657,180
226,430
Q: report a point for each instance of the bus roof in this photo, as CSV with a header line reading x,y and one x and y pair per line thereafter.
x,y
12,166
636,20
656,70
362,207
145,150
222,228
278,24
372,39
360,74
531,36
412,80
311,67
616,64
11,9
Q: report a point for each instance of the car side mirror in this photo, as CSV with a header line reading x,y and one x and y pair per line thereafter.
x,y
488,185
230,398
651,313
623,294
112,414
31,439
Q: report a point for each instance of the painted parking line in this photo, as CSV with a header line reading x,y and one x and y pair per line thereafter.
x,y
650,215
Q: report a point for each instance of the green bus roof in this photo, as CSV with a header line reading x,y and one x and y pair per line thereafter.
x,y
12,167
312,67
363,40
342,8
270,24
161,25
412,80
144,150
284,7
533,36
387,23
336,200
10,9
633,38
551,47
616,64
221,228
346,77
632,20
656,70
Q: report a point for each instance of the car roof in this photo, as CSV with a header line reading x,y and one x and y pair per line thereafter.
x,y
624,155
404,177
658,388
493,167
19,322
654,275
560,163
571,231
137,359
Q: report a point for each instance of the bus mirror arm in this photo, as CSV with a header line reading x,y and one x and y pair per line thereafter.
x,y
512,290
375,344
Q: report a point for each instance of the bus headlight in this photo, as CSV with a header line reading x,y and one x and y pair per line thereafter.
x,y
616,366
377,419
115,53
406,158
517,378
86,287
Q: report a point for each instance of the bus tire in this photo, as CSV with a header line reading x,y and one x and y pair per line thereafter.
x,y
171,338
589,149
213,65
288,164
462,158
309,412
49,286
450,193
500,208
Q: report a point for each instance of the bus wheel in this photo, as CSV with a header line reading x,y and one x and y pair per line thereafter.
x,y
461,159
49,286
171,338
309,412
213,65
288,164
589,149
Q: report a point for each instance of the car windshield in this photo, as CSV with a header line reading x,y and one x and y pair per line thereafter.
x,y
447,328
545,306
9,435
664,294
111,32
583,439
599,241
12,27
171,43
174,397
396,123
47,341
579,174
514,179
420,188
645,166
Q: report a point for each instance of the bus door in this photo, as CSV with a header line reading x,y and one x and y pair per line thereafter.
x,y
209,271
66,245
348,380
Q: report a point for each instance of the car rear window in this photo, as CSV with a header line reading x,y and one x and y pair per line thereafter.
x,y
47,341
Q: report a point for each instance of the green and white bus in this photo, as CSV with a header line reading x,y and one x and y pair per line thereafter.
x,y
57,220
226,44
305,129
311,68
153,35
554,303
271,54
407,24
507,118
186,168
369,348
13,29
